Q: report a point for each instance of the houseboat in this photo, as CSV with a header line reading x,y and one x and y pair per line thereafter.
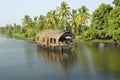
x,y
56,39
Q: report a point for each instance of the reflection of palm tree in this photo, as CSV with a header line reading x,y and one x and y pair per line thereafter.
x,y
65,59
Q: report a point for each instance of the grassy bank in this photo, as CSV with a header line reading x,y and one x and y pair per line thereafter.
x,y
78,38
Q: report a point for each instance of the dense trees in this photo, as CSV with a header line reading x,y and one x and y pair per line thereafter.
x,y
114,23
99,22
104,24
116,2
79,19
60,18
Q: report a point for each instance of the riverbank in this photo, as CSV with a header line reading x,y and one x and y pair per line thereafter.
x,y
78,38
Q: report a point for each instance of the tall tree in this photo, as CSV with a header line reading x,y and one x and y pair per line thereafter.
x,y
64,12
26,21
73,21
116,2
99,22
84,15
79,18
40,24
52,19
83,18
114,23
27,25
100,16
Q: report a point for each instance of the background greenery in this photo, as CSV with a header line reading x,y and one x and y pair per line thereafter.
x,y
102,24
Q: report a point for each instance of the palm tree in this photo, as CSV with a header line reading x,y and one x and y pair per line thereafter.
x,y
27,25
73,21
64,12
40,23
35,20
52,19
83,15
26,20
83,18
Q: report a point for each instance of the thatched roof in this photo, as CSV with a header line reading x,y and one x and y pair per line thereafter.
x,y
52,33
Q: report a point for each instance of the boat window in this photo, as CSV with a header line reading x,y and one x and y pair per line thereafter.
x,y
50,40
54,40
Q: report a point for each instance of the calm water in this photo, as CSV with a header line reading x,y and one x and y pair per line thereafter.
x,y
20,60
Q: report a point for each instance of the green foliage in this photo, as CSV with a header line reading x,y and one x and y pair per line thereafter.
x,y
79,19
64,12
116,2
100,17
114,18
105,23
59,18
114,23
2,30
99,22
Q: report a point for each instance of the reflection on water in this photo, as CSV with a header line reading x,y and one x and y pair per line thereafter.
x,y
20,60
101,59
64,59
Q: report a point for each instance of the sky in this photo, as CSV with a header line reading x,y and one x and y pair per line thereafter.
x,y
13,11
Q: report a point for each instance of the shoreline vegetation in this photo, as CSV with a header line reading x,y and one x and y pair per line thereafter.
x,y
103,25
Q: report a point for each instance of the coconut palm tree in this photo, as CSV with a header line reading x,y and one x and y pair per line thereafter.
x,y
52,19
27,25
40,23
73,21
64,11
84,15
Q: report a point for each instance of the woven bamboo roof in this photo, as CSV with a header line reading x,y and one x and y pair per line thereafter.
x,y
51,33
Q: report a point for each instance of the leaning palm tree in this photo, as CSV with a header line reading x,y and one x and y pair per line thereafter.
x,y
64,11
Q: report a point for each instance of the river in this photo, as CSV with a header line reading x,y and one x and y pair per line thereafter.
x,y
21,60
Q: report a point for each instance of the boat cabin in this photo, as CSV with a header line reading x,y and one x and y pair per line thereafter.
x,y
53,37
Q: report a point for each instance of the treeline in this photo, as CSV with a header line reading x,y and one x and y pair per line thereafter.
x,y
104,23
60,18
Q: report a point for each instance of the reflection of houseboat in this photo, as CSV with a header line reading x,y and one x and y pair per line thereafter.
x,y
64,59
55,38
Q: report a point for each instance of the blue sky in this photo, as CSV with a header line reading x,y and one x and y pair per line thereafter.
x,y
12,11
